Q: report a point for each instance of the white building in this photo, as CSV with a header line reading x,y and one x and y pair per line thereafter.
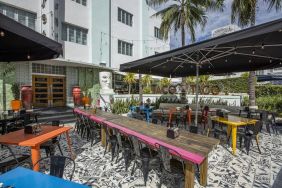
x,y
95,34
125,31
223,31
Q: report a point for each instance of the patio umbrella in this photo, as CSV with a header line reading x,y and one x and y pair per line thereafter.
x,y
21,43
251,49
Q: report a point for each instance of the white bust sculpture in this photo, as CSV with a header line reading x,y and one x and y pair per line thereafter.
x,y
105,79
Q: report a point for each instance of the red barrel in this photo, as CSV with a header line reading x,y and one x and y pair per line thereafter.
x,y
76,94
26,92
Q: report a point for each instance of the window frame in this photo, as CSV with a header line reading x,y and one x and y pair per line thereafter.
x,y
125,17
125,48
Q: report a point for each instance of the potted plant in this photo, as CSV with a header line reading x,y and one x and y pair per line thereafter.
x,y
85,98
16,103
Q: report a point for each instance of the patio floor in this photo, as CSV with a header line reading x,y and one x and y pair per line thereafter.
x,y
225,170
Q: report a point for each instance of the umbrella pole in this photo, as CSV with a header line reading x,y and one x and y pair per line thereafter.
x,y
197,94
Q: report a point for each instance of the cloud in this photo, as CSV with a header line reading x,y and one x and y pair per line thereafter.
x,y
220,19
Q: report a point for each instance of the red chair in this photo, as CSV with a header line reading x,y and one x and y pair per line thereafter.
x,y
204,119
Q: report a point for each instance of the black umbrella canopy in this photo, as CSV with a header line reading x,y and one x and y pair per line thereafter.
x,y
255,48
20,43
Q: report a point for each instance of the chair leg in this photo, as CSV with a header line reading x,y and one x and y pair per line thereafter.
x,y
47,152
145,169
106,147
240,141
258,144
133,168
247,143
126,156
59,146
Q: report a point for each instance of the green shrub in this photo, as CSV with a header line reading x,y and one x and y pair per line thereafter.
x,y
270,103
268,90
122,106
232,85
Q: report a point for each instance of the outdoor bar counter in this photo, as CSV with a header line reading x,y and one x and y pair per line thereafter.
x,y
192,148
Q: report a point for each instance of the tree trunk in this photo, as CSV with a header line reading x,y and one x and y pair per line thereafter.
x,y
140,89
252,74
129,88
252,87
183,44
182,35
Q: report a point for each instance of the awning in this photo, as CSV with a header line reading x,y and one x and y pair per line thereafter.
x,y
20,43
255,48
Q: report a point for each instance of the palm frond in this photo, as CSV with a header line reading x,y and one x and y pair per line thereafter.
x,y
274,3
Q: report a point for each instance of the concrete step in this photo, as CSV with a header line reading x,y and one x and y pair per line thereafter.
x,y
64,114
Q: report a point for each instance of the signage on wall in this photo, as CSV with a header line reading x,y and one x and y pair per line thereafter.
x,y
191,89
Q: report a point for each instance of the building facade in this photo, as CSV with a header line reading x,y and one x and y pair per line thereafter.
x,y
96,35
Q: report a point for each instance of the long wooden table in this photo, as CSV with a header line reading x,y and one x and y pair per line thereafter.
x,y
233,122
33,141
193,148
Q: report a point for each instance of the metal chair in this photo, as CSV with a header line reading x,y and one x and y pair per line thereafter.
x,y
50,145
251,133
56,165
13,160
145,158
111,140
171,167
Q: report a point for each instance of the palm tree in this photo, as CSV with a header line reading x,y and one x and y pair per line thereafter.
x,y
184,14
165,82
147,80
190,80
244,11
129,79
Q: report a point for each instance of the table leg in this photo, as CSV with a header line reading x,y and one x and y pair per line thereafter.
x,y
228,131
35,157
189,175
204,173
69,144
103,136
234,139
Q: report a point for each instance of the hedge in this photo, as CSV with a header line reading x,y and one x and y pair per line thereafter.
x,y
232,85
268,90
272,103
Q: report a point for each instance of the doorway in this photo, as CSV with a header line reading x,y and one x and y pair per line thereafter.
x,y
49,91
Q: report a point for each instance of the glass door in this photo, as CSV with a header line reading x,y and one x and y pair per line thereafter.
x,y
49,91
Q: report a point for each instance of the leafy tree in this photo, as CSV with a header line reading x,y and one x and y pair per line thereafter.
x,y
244,12
190,80
147,80
165,82
129,79
184,15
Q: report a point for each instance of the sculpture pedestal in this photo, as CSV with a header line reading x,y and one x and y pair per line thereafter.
x,y
106,96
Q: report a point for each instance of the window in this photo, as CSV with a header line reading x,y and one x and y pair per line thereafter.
x,y
125,48
157,33
21,16
48,69
124,17
82,2
74,34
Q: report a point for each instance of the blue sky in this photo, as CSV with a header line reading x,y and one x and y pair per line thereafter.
x,y
219,19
